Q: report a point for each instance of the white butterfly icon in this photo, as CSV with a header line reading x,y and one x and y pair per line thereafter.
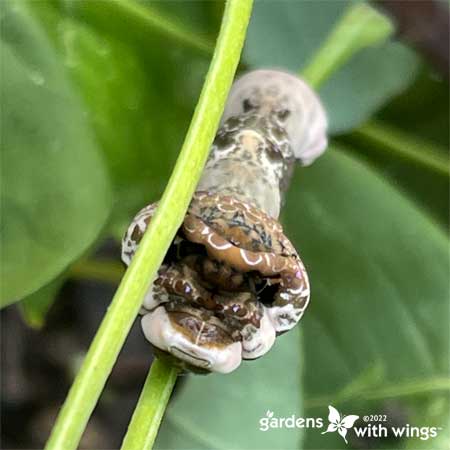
x,y
341,424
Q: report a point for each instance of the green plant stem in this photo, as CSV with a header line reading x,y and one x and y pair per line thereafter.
x,y
149,410
125,305
147,416
359,27
396,142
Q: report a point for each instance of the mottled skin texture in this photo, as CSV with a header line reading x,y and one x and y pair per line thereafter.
x,y
251,160
231,280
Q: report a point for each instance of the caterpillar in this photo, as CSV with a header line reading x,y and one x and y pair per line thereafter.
x,y
231,281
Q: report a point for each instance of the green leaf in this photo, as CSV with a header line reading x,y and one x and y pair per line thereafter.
x,y
143,25
410,143
224,411
140,99
55,195
203,16
423,109
379,276
366,83
416,165
286,34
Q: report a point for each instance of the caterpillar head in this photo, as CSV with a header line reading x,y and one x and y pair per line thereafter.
x,y
291,100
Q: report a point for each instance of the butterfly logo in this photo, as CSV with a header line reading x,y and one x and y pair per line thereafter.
x,y
341,424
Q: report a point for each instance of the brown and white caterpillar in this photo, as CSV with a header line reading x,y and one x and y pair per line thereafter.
x,y
231,281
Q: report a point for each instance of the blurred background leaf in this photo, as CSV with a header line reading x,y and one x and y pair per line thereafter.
x,y
55,189
374,258
422,109
139,114
417,166
286,34
417,119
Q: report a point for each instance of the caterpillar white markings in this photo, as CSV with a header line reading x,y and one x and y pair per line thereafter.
x,y
225,246
258,341
212,306
285,317
154,297
300,291
249,261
